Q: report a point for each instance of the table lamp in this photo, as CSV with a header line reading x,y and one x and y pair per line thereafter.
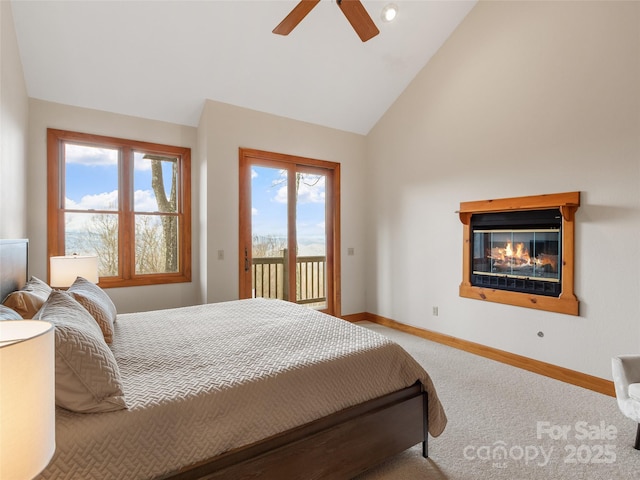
x,y
27,397
65,269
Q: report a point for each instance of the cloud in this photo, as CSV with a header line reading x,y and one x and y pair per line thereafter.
x,y
281,195
254,174
254,212
144,201
81,222
90,156
141,165
312,193
100,157
309,191
100,201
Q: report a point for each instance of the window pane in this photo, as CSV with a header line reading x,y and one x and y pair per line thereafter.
x,y
156,244
155,184
91,178
269,196
94,234
311,259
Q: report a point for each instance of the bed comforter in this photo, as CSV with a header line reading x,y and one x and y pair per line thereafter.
x,y
202,380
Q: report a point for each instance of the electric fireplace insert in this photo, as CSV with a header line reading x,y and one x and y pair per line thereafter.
x,y
518,251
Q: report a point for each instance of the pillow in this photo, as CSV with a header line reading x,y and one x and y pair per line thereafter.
x,y
97,302
25,303
37,287
7,313
28,300
87,375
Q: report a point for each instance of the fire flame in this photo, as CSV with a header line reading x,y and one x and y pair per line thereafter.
x,y
506,257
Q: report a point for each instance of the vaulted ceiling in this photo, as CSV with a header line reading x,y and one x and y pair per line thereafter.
x,y
162,59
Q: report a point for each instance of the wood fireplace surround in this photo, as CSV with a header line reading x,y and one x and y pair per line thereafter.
x,y
567,204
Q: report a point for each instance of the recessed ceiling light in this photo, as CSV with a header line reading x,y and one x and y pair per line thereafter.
x,y
389,12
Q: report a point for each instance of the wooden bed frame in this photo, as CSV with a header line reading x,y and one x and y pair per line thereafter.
x,y
339,446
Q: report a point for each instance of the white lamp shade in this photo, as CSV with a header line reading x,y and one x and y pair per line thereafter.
x,y
64,270
27,398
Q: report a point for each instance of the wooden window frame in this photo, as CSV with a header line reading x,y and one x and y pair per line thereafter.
x,y
126,215
567,203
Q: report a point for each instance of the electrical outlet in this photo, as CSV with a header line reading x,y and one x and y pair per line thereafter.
x,y
351,251
220,254
435,311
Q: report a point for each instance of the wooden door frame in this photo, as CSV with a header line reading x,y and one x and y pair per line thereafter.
x,y
247,157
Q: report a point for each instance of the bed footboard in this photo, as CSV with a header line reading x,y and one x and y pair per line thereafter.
x,y
339,446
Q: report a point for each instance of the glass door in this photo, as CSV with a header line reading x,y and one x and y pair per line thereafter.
x,y
287,230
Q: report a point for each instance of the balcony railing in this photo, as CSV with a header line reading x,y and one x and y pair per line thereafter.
x,y
271,274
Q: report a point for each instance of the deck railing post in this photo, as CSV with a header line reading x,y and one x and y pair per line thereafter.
x,y
285,276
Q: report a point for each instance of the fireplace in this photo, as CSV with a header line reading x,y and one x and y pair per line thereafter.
x,y
520,251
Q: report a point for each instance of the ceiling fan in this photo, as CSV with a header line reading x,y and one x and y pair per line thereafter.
x,y
352,9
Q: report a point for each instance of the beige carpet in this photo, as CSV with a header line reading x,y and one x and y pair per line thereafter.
x,y
507,423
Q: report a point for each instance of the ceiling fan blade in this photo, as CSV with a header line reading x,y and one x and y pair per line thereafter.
x,y
359,19
295,17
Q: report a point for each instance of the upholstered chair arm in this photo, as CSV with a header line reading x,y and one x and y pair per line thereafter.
x,y
626,370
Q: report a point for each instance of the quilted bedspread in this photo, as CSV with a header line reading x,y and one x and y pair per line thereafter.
x,y
201,380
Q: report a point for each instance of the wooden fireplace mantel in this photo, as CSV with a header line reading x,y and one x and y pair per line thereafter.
x,y
567,203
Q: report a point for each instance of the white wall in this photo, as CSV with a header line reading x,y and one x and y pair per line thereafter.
x,y
223,129
524,98
43,115
228,128
14,109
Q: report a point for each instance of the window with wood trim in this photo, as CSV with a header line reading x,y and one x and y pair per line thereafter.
x,y
127,202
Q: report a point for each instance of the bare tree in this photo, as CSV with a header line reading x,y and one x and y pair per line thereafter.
x,y
150,249
268,246
166,205
103,237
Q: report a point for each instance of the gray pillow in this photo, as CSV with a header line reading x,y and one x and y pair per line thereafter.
x,y
37,287
97,303
87,375
7,313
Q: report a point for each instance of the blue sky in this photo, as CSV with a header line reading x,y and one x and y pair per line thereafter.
x,y
269,207
91,179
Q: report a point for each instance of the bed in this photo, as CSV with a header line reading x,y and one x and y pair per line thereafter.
x,y
243,389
